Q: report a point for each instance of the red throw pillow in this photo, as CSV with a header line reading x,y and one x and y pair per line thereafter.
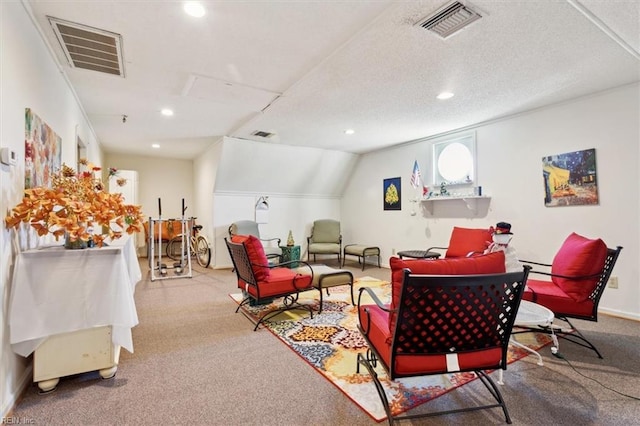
x,y
579,256
465,240
492,263
255,251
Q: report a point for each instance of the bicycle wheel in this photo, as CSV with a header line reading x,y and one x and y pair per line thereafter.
x,y
174,248
203,252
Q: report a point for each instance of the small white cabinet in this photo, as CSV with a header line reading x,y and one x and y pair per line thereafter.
x,y
72,353
74,309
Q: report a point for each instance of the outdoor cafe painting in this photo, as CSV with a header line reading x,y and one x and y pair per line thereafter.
x,y
570,179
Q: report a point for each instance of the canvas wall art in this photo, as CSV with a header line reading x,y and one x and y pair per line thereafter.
x,y
42,151
391,193
570,179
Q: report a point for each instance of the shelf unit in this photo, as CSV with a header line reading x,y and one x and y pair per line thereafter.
x,y
469,200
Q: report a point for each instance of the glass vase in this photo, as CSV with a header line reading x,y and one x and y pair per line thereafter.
x,y
74,245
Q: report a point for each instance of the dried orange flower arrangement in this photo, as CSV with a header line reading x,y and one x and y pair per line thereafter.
x,y
74,204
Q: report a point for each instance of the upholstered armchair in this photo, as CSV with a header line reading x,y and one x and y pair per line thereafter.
x,y
325,239
578,276
463,242
249,227
462,309
261,282
466,241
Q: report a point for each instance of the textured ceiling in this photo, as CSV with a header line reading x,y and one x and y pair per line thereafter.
x,y
308,70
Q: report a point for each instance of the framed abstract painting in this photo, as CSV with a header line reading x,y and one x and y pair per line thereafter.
x,y
570,179
42,151
392,194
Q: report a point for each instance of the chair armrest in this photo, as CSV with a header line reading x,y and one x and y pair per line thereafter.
x,y
271,239
535,263
569,277
549,274
300,265
437,248
374,297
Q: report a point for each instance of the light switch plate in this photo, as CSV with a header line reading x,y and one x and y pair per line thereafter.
x,y
8,156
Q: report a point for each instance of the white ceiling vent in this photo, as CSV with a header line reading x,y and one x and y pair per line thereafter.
x,y
89,48
263,134
449,19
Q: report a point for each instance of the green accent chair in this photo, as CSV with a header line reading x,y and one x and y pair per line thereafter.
x,y
249,227
325,239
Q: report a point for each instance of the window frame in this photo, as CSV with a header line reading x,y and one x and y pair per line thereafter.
x,y
469,141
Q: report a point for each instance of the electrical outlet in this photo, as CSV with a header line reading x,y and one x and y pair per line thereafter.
x,y
393,251
613,282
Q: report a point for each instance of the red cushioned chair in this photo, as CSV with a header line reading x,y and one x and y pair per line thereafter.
x,y
463,242
443,324
579,274
261,282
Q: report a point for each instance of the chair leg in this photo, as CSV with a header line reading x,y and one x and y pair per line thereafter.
x,y
484,378
290,302
577,337
320,309
495,391
379,388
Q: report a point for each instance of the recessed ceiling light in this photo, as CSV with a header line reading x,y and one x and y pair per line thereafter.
x,y
155,145
445,95
166,111
349,132
194,8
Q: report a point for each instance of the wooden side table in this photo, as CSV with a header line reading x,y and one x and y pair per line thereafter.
x,y
290,253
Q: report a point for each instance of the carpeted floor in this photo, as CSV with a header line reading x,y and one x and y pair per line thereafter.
x,y
330,342
198,362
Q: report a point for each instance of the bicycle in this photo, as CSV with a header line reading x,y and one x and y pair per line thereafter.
x,y
177,248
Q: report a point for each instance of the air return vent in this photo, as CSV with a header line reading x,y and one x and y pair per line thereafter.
x,y
262,134
449,19
89,48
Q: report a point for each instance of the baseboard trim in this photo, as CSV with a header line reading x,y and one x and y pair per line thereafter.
x,y
619,314
23,383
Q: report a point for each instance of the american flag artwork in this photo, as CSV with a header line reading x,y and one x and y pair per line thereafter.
x,y
415,176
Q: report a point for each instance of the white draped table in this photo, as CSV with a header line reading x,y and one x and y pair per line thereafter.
x,y
71,300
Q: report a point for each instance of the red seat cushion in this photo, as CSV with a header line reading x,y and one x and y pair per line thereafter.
x,y
281,281
579,256
492,263
549,295
255,251
466,240
380,337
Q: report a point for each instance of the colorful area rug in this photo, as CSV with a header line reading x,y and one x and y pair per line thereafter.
x,y
330,343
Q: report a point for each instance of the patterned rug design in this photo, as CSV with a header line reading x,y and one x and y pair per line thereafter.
x,y
330,343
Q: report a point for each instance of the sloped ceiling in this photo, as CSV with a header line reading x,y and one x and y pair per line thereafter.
x,y
308,70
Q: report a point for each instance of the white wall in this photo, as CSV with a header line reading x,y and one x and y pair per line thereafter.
x,y
205,169
303,184
510,154
286,213
169,180
30,79
248,166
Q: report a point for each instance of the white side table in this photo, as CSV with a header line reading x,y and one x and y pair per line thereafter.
x,y
530,315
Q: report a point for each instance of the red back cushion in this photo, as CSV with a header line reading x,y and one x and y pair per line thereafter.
x,y
492,263
465,240
578,256
255,251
